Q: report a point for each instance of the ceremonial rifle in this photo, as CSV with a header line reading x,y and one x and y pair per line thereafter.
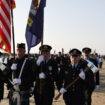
x,y
90,66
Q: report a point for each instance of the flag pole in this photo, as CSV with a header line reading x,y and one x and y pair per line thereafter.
x,y
41,69
42,37
13,36
72,83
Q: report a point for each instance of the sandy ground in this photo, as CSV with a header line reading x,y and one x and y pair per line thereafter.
x,y
98,97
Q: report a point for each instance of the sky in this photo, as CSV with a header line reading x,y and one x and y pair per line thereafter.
x,y
67,24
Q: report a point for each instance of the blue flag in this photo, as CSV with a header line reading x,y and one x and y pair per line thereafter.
x,y
34,29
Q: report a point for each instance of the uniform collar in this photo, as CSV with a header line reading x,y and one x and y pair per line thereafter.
x,y
46,61
74,65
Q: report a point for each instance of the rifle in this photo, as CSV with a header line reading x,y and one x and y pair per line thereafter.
x,y
90,66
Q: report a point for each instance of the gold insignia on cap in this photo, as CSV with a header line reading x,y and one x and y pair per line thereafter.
x,y
75,51
45,47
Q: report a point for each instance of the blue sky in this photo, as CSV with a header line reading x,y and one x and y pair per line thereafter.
x,y
68,24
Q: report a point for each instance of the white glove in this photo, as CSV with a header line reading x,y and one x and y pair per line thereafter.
x,y
14,66
82,75
16,81
40,59
2,66
62,90
92,66
42,75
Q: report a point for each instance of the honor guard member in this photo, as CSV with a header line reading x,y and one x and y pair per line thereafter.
x,y
45,78
75,94
60,60
23,79
2,79
101,60
90,82
1,84
97,74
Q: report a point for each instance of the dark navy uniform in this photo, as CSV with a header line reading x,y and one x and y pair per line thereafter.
x,y
49,68
60,59
1,85
3,79
89,82
75,94
89,85
27,79
97,73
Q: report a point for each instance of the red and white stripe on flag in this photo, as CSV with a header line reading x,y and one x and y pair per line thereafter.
x,y
5,26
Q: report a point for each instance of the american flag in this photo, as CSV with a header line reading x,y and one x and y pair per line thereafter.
x,y
5,25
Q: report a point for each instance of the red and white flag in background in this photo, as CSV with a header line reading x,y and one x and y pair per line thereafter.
x,y
5,25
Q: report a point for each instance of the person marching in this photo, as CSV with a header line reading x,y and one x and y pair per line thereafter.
x,y
47,74
75,94
90,82
1,85
98,73
19,85
3,79
60,60
101,60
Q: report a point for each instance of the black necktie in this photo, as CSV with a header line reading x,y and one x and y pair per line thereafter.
x,y
45,62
